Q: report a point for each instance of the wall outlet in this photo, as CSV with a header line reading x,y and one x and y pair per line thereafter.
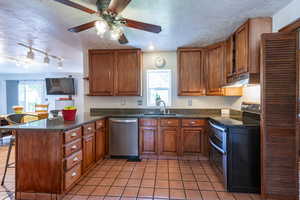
x,y
190,102
140,102
123,101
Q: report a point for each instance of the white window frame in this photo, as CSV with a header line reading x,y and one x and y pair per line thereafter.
x,y
148,89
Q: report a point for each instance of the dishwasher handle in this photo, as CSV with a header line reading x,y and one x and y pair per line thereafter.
x,y
123,120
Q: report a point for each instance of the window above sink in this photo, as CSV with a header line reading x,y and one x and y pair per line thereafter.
x,y
159,85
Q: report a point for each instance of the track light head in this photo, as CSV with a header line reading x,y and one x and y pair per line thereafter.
x,y
46,59
30,54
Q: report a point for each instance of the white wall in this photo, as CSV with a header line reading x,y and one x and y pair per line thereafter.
x,y
78,81
177,102
286,15
251,94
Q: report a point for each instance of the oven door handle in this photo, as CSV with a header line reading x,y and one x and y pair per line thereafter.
x,y
216,127
216,147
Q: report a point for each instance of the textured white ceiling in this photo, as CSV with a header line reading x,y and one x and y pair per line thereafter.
x,y
184,23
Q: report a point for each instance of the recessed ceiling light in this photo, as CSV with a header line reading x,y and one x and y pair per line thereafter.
x,y
151,47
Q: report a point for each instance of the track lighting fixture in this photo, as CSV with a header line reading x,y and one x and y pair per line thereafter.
x,y
30,55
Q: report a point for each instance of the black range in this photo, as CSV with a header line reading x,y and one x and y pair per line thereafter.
x,y
235,151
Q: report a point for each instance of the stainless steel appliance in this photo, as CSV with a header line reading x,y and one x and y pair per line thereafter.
x,y
123,138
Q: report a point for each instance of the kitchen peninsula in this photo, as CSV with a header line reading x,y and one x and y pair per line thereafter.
x,y
61,152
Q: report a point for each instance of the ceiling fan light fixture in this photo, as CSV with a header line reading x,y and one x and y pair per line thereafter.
x,y
101,27
116,33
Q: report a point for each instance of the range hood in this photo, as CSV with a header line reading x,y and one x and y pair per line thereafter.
x,y
242,80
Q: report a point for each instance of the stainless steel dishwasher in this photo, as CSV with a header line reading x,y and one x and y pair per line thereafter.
x,y
123,138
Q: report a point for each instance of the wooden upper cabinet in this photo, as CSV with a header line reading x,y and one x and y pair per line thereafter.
x,y
241,39
115,72
215,64
247,44
230,66
190,78
128,73
101,72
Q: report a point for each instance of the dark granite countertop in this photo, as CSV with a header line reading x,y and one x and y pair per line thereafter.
x,y
83,118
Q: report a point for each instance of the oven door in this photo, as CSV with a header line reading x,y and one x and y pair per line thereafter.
x,y
218,154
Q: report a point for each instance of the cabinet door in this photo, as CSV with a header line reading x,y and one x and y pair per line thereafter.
x,y
148,140
229,58
242,40
101,72
88,151
100,144
190,69
191,140
215,67
128,73
169,141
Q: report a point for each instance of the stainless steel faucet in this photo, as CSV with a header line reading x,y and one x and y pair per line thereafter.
x,y
162,108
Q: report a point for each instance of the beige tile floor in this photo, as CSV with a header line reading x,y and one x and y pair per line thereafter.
x,y
149,179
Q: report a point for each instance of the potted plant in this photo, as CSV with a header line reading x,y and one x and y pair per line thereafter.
x,y
69,113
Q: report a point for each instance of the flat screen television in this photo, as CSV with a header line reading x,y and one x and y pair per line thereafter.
x,y
60,86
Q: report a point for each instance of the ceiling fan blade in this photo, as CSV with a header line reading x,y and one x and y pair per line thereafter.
x,y
117,6
142,26
82,27
123,39
76,5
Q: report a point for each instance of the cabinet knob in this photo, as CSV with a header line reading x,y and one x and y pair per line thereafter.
x,y
74,174
73,134
74,147
192,122
75,159
89,128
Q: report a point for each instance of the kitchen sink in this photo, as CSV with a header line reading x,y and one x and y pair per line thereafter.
x,y
162,114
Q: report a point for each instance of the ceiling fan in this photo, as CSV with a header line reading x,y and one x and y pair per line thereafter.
x,y
108,11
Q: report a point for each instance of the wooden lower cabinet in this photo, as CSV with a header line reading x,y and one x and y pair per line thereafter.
x,y
88,151
148,140
192,141
100,144
169,140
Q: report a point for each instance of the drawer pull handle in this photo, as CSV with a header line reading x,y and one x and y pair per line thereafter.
x,y
74,147
193,122
74,174
73,134
89,128
75,159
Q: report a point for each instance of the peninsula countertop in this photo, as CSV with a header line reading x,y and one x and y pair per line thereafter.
x,y
84,118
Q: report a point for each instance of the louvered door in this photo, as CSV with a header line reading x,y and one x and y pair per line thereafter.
x,y
279,103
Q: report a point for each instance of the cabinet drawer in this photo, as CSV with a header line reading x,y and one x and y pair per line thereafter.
x,y
72,135
169,122
73,147
100,124
88,129
73,160
72,176
148,122
193,122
